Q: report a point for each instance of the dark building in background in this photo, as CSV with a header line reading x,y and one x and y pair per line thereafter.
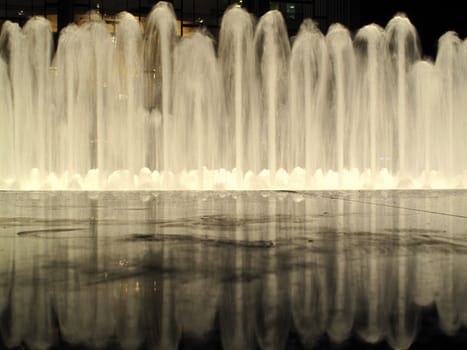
x,y
190,13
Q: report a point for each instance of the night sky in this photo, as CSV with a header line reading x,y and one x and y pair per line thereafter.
x,y
431,18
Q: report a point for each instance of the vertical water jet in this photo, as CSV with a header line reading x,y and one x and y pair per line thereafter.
x,y
197,121
128,95
159,45
7,142
405,50
308,99
372,122
343,79
236,58
447,61
425,87
272,55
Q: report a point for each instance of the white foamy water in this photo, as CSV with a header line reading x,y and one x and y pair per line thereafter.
x,y
221,179
144,109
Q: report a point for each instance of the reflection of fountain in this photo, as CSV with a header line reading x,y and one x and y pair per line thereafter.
x,y
149,111
134,268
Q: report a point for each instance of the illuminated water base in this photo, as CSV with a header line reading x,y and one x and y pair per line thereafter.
x,y
145,109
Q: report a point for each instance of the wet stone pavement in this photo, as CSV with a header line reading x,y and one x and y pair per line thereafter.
x,y
233,270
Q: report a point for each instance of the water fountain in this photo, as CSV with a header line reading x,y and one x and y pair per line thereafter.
x,y
149,110
161,269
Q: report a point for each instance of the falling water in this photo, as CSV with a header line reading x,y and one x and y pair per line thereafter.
x,y
158,55
7,170
27,53
309,76
448,62
197,127
128,63
145,109
272,51
404,47
236,57
425,87
342,57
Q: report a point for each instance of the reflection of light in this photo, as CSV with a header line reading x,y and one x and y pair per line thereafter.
x,y
20,12
53,21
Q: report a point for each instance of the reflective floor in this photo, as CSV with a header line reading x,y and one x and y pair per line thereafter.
x,y
248,270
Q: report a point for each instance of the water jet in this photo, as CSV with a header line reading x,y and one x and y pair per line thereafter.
x,y
255,111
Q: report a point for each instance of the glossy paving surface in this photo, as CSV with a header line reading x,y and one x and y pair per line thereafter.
x,y
233,270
